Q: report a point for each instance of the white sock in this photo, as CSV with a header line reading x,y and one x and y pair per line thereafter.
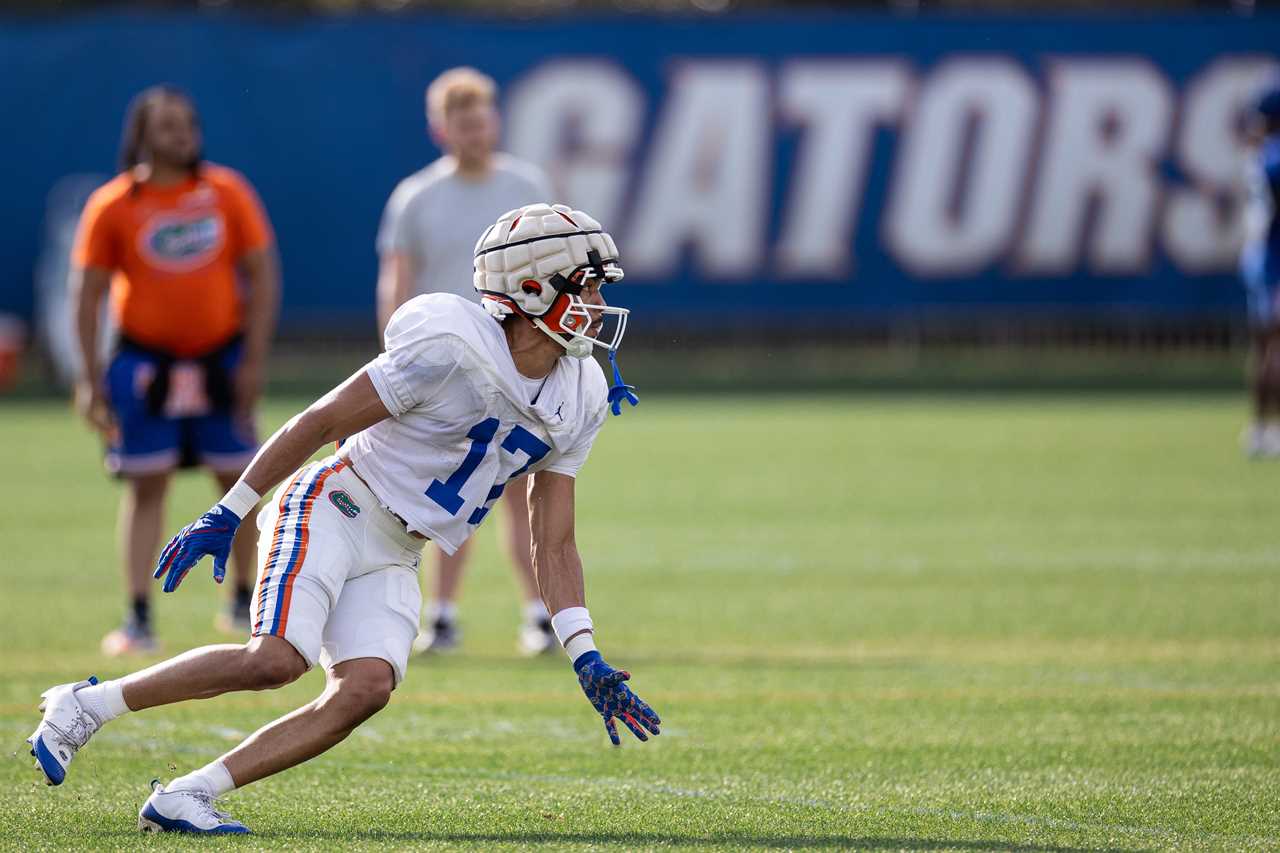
x,y
446,610
103,701
213,778
535,611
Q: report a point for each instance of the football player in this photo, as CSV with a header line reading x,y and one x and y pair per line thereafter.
x,y
464,398
1260,269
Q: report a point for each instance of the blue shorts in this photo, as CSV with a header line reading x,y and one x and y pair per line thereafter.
x,y
1260,270
182,430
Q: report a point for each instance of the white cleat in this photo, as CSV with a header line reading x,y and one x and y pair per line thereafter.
x,y
185,811
66,727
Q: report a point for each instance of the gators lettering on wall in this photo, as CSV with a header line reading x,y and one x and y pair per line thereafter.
x,y
899,164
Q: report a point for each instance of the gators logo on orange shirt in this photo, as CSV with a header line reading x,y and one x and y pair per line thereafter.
x,y
180,241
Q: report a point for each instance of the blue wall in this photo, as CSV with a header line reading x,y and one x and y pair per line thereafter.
x,y
325,116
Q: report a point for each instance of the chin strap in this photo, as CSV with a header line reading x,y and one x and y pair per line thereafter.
x,y
576,347
620,390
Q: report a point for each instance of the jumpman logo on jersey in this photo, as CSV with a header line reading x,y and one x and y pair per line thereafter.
x,y
557,412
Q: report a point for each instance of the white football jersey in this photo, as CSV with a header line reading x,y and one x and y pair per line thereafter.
x,y
463,422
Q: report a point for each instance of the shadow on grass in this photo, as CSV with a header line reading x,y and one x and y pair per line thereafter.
x,y
733,840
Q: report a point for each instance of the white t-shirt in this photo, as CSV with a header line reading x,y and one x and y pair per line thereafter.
x,y
435,216
462,422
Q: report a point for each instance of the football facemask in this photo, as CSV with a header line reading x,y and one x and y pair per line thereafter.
x,y
580,326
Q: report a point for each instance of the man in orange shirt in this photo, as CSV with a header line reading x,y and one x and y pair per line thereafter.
x,y
187,255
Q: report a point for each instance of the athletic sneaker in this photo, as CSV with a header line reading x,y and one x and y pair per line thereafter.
x,y
537,638
131,638
66,727
234,618
440,637
1271,440
1261,440
185,811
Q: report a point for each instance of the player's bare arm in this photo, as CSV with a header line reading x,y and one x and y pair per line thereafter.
x,y
347,409
262,299
555,552
89,285
395,280
559,570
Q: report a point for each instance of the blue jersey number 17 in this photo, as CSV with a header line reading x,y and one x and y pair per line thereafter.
x,y
448,493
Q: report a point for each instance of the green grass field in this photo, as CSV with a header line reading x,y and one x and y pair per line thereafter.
x,y
877,622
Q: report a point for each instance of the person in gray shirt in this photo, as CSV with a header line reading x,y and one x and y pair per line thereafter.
x,y
425,245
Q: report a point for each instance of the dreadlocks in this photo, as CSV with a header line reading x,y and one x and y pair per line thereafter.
x,y
133,140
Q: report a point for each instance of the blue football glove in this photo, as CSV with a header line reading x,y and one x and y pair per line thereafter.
x,y
211,533
614,700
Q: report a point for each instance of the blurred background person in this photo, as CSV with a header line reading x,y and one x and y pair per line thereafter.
x,y
425,245
1260,268
186,253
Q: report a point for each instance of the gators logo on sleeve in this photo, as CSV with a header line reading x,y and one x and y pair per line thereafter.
x,y
179,241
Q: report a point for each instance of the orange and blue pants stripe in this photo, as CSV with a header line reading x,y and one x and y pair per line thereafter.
x,y
289,547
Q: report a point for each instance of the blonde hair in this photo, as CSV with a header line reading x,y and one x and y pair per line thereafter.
x,y
457,88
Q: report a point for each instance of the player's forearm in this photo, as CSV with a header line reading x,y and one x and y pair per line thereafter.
x,y
346,410
559,572
261,306
558,569
285,452
287,449
556,562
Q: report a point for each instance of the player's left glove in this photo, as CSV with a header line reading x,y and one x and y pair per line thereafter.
x,y
613,699
211,533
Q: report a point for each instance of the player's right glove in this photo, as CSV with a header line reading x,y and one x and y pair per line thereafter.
x,y
211,533
613,699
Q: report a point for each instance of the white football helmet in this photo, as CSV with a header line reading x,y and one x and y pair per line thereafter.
x,y
535,260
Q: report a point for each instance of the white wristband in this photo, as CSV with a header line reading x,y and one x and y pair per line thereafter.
x,y
570,621
580,645
241,499
574,631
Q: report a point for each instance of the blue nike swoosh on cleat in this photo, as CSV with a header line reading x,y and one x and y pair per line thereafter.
x,y
171,825
53,771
